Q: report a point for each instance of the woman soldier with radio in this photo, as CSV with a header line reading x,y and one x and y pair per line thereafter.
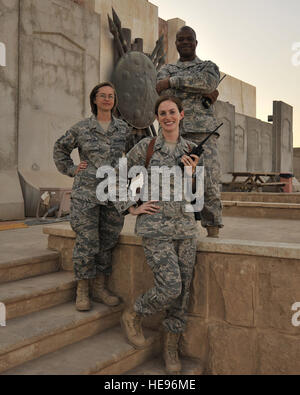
x,y
168,235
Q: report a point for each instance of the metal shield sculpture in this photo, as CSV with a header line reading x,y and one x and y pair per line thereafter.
x,y
135,80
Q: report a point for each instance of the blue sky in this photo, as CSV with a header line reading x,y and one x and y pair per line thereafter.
x,y
250,40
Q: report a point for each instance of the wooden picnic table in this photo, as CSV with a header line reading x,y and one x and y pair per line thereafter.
x,y
253,180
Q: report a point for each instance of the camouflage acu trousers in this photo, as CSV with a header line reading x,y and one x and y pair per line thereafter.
x,y
211,215
172,263
97,231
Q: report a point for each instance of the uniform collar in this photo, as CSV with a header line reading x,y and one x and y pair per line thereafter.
x,y
94,124
182,146
190,63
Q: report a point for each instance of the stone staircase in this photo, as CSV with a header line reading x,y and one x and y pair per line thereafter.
x,y
45,335
261,205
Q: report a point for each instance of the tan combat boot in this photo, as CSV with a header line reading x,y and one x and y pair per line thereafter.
x,y
131,323
101,294
82,299
213,231
173,364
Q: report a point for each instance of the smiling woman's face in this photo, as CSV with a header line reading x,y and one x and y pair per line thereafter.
x,y
105,98
169,116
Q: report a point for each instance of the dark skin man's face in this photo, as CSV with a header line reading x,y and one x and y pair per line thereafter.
x,y
186,44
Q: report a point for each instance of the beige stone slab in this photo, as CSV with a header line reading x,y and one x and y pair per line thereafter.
x,y
198,302
232,350
38,256
24,254
277,290
194,341
46,331
27,268
260,211
278,354
100,354
249,247
261,197
62,230
269,205
230,203
156,366
231,295
11,198
22,244
239,228
275,230
34,294
235,246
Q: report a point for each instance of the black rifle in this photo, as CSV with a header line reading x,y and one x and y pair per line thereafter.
x,y
206,101
199,151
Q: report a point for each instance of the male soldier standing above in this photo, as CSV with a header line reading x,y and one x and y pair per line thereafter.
x,y
192,79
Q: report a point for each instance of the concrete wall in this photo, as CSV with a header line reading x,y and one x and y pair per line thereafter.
x,y
225,113
240,94
11,199
59,51
53,63
239,315
173,26
296,163
283,137
249,144
241,143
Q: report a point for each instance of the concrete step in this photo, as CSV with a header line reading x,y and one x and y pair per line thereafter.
x,y
40,261
261,197
103,354
34,294
29,337
156,366
261,209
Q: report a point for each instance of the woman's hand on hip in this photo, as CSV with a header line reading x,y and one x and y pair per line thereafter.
x,y
81,166
146,208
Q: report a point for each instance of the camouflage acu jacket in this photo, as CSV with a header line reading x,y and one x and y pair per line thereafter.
x,y
95,146
172,221
189,81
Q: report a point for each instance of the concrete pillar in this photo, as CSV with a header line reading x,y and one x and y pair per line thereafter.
x,y
282,137
241,141
296,162
173,26
225,113
11,199
266,146
240,94
254,152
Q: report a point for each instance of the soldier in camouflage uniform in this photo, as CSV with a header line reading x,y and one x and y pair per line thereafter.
x,y
168,236
192,79
100,140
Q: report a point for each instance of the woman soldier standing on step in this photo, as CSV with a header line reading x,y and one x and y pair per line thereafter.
x,y
100,140
168,236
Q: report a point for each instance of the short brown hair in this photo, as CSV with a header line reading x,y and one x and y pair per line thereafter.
x,y
168,98
187,28
93,95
